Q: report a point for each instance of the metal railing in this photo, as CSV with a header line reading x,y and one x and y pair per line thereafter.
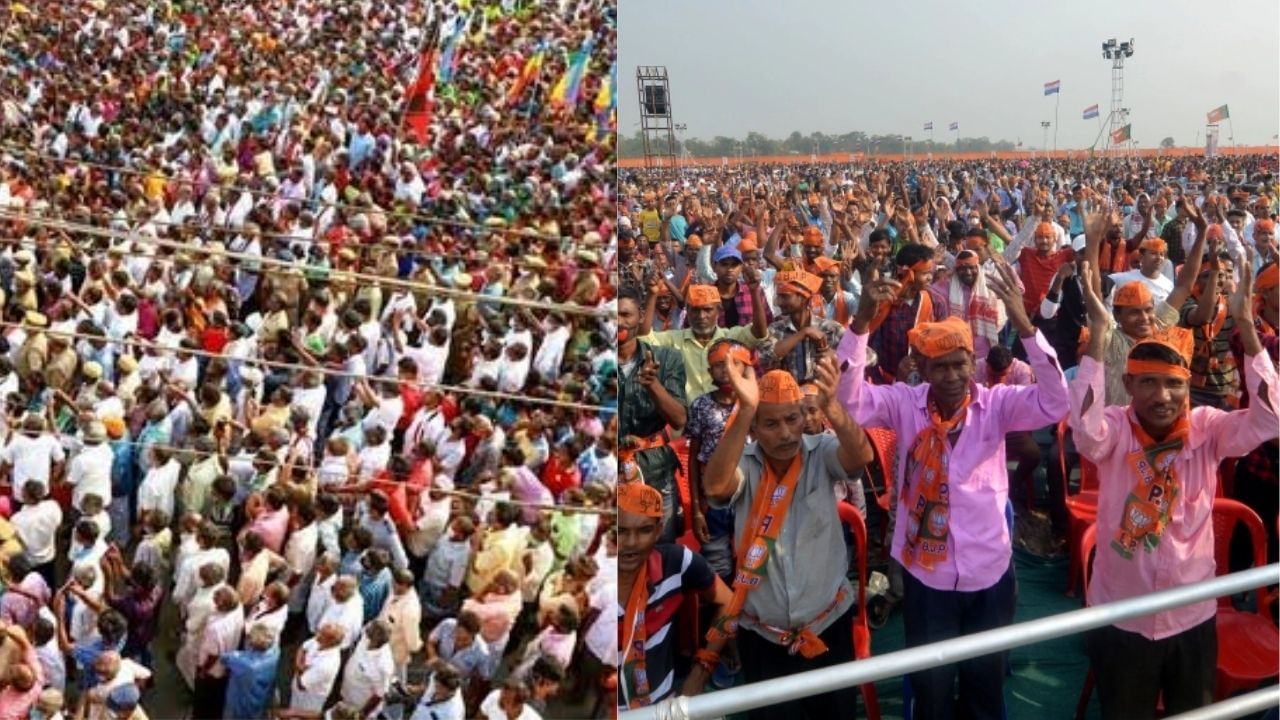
x,y
902,662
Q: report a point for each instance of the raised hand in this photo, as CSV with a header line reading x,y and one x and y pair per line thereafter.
x,y
828,378
649,370
1241,300
1005,285
743,379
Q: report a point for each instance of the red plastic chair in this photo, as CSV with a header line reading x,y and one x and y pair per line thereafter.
x,y
861,628
1088,541
884,443
1082,509
1248,642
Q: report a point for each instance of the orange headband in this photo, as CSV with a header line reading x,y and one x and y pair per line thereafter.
x,y
799,282
1156,367
640,499
1268,279
908,276
1045,229
693,241
748,244
702,296
1133,294
725,350
1265,226
824,264
936,339
813,236
1154,245
778,387
1214,231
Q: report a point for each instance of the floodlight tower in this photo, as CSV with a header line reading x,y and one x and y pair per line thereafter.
x,y
1116,53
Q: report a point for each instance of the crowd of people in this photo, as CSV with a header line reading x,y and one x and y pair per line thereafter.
x,y
307,413
796,339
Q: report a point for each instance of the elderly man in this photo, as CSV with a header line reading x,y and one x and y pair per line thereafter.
x,y
315,668
950,533
790,594
222,634
251,674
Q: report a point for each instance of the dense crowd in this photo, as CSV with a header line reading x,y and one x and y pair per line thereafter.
x,y
305,410
808,349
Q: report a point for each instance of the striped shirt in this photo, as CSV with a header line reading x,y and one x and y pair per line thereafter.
x,y
681,570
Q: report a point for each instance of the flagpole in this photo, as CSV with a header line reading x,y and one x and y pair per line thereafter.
x,y
1056,103
1232,128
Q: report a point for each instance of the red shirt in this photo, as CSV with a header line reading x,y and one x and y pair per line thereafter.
x,y
214,339
1037,274
411,396
397,497
559,479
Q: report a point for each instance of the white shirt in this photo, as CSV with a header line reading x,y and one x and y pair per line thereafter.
x,y
1160,286
222,633
311,688
158,488
300,553
368,673
90,473
454,708
492,709
32,458
37,528
349,615
318,601
550,355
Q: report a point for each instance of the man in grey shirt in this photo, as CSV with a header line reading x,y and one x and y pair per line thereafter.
x,y
790,592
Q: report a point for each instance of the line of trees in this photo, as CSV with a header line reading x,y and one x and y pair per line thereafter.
x,y
820,143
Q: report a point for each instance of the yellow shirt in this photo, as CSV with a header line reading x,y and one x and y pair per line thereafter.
x,y
651,225
697,372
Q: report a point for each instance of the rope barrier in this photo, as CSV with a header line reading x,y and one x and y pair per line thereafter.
x,y
69,227
331,372
312,472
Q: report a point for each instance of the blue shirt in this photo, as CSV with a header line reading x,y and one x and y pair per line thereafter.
x,y
374,590
251,680
678,228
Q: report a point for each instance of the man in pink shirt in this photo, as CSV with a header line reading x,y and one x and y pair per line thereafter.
x,y
1157,467
951,535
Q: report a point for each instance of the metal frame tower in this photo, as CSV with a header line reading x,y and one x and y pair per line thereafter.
x,y
1116,53
656,127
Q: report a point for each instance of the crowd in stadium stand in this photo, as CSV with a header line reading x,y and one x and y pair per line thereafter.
x,y
941,351
309,411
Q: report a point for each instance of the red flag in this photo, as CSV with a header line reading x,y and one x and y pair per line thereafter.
x,y
420,99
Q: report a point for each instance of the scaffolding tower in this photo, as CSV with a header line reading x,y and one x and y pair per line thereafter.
x,y
656,127
1119,117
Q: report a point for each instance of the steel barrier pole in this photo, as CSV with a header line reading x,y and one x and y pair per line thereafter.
x,y
879,667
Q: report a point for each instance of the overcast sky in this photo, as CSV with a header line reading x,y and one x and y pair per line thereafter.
x,y
836,66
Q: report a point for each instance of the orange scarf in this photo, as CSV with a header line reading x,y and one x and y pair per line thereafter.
x,y
929,511
768,512
633,662
925,311
1210,331
1147,510
841,312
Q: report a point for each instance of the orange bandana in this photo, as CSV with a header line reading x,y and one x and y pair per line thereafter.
x,y
640,499
929,511
1154,245
693,241
799,282
1179,340
1133,294
779,387
748,243
1268,279
935,339
1265,226
725,350
1045,230
813,236
702,296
